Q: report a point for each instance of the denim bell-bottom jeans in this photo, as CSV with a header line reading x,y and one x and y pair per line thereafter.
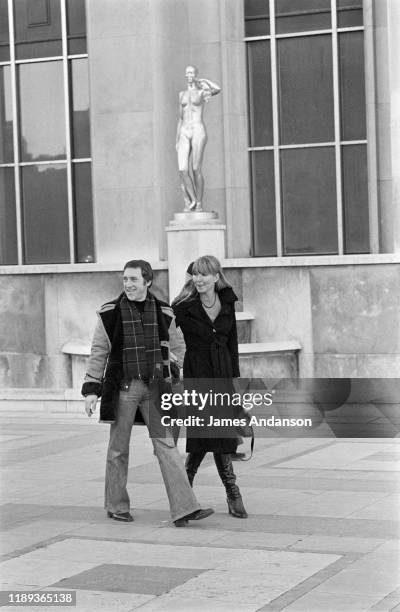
x,y
182,500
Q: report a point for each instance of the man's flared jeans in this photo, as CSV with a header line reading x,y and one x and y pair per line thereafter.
x,y
180,494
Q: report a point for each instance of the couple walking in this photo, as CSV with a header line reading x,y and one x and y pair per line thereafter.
x,y
130,355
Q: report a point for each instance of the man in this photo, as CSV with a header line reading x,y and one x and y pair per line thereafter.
x,y
130,353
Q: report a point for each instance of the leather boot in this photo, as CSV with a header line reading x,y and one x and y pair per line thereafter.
x,y
192,464
227,475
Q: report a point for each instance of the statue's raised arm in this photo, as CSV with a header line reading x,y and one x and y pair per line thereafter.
x,y
191,136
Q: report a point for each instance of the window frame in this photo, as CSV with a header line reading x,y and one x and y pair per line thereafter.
x,y
337,143
65,58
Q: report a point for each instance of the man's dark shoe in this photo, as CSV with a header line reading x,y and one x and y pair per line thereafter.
x,y
197,515
125,517
182,522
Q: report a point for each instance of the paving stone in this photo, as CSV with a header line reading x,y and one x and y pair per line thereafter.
x,y
38,532
96,601
373,582
317,601
232,586
336,544
173,603
257,540
390,602
33,570
153,580
330,503
49,448
321,483
387,509
306,525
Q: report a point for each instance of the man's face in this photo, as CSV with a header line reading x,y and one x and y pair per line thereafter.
x,y
135,285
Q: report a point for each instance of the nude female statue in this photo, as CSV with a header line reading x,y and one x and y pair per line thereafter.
x,y
191,136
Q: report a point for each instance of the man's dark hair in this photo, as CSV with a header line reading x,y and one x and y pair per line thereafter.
x,y
145,267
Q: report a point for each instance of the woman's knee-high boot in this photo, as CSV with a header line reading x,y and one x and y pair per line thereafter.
x,y
192,464
227,475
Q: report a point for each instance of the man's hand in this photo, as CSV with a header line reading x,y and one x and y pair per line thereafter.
x,y
90,404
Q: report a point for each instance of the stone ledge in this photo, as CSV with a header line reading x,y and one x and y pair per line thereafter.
x,y
73,268
256,348
244,316
236,262
308,261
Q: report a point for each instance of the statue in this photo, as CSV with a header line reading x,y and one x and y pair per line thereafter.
x,y
191,136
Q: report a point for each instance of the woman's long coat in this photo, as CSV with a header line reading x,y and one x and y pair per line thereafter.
x,y
212,356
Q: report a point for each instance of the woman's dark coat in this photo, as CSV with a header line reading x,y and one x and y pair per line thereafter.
x,y
211,354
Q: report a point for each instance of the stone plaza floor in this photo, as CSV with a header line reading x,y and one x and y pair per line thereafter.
x,y
322,533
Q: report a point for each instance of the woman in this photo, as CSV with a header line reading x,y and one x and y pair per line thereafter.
x,y
205,312
191,136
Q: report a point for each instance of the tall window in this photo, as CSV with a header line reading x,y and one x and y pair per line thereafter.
x,y
45,164
307,126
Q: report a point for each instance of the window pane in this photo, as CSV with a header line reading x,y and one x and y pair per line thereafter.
x,y
6,122
355,198
76,24
352,86
305,89
302,15
83,212
256,17
37,28
41,94
4,37
260,96
45,213
8,225
263,191
80,108
349,13
309,201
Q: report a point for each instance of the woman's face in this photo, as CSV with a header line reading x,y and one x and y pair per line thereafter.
x,y
205,282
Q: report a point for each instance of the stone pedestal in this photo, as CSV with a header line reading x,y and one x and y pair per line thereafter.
x,y
190,235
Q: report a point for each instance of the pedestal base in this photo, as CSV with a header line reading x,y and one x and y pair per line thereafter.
x,y
189,217
190,235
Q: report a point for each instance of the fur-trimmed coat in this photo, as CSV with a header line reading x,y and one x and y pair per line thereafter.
x,y
212,355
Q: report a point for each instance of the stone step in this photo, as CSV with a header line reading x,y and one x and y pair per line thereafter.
x,y
270,359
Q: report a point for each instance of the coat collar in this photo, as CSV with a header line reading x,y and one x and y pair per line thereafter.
x,y
226,297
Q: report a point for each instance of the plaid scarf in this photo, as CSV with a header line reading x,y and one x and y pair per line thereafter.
x,y
141,351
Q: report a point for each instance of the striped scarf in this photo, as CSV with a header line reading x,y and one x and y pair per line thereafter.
x,y
141,351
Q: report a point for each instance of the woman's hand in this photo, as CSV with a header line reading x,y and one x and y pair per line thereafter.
x,y
236,385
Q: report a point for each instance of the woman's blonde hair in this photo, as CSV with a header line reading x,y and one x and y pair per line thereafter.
x,y
206,264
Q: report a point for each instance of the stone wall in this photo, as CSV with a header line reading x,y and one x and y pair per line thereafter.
x,y
347,318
